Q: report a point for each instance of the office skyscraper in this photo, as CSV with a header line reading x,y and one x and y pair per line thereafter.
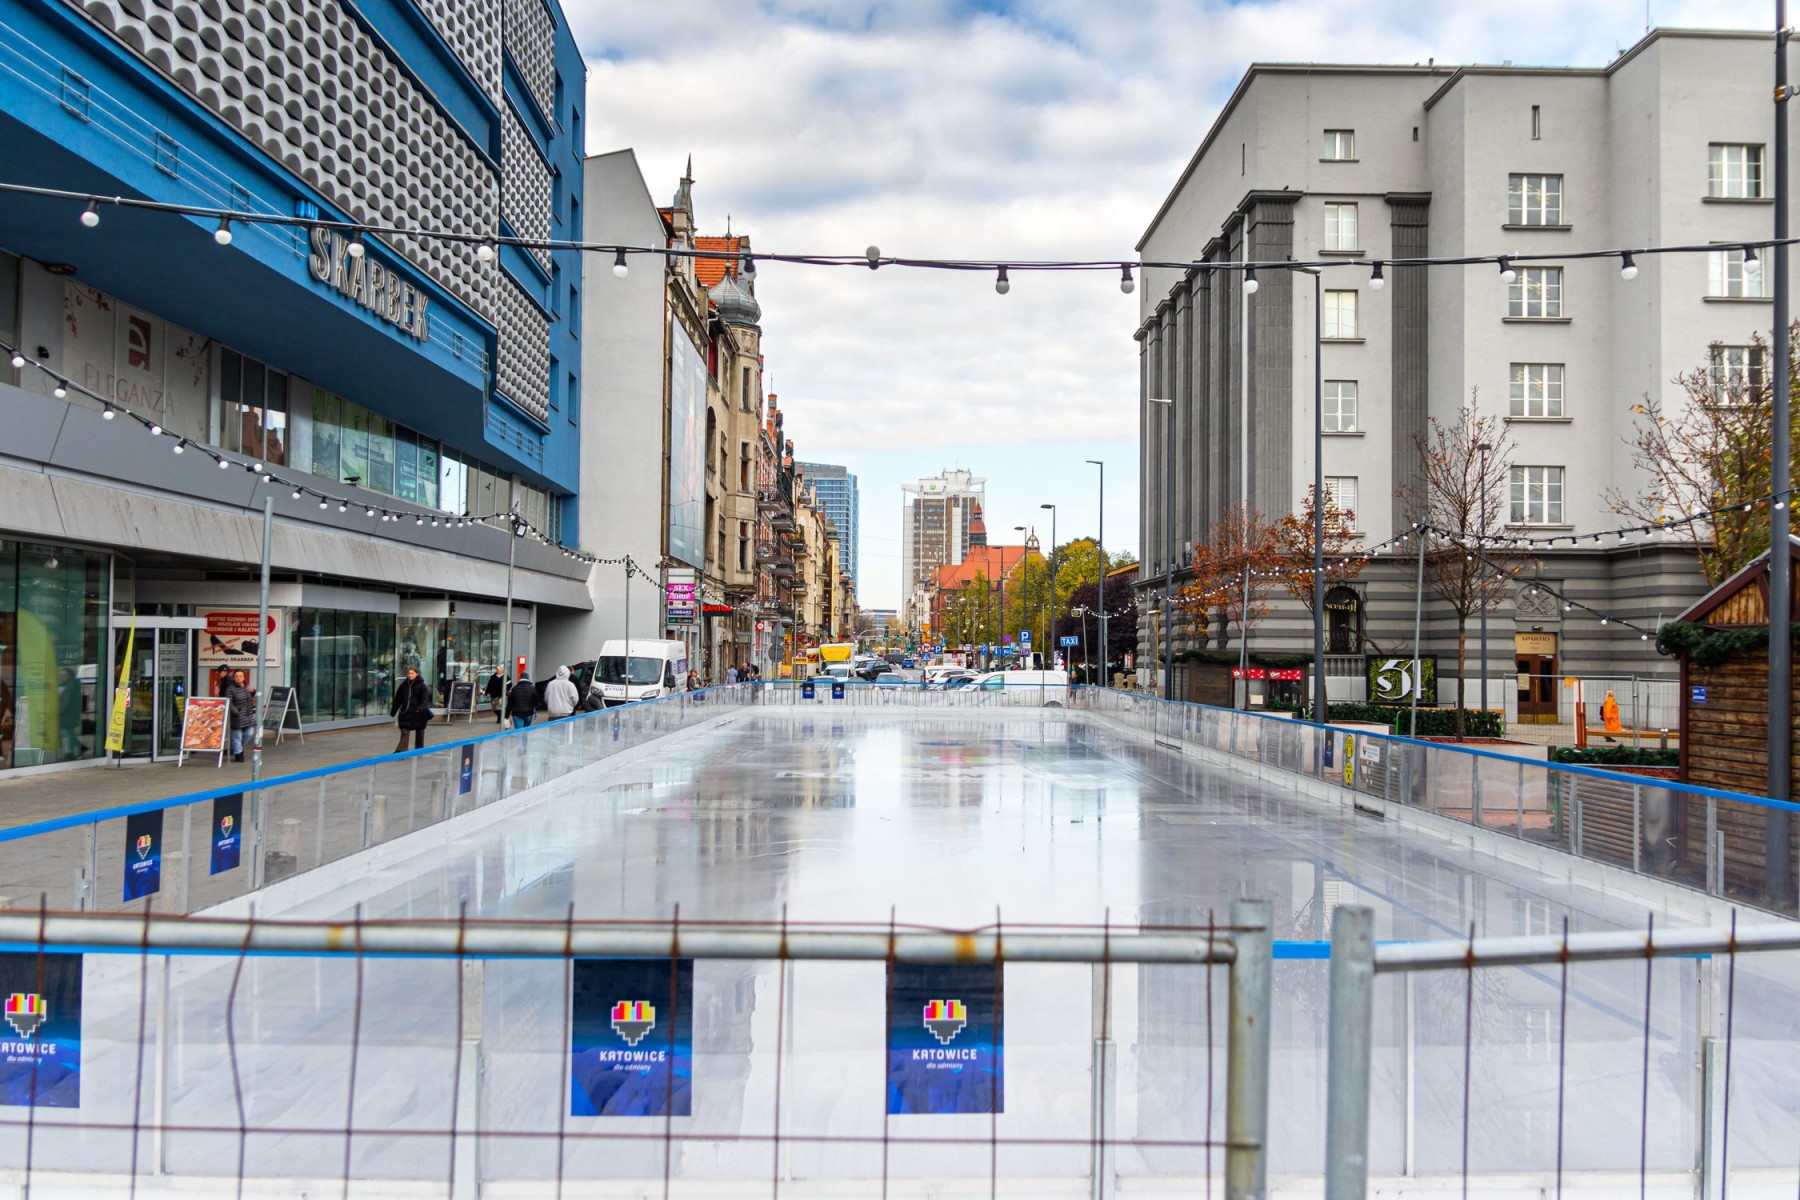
x,y
836,488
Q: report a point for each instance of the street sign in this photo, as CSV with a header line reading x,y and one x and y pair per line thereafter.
x,y
1024,637
1008,652
1069,639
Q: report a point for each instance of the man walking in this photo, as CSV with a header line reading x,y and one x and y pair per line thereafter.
x,y
411,709
561,696
496,690
242,707
522,701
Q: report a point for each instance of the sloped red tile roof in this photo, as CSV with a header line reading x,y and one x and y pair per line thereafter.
x,y
991,561
708,271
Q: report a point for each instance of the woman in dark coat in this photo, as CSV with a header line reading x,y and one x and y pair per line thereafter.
x,y
242,698
412,707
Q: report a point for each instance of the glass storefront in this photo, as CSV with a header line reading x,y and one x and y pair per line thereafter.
x,y
449,649
343,663
53,611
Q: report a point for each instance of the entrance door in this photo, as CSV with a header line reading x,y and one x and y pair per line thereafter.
x,y
172,686
1537,689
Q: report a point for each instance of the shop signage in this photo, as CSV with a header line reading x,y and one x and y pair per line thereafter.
x,y
203,726
715,610
1697,694
1279,674
1401,680
1534,643
231,641
365,282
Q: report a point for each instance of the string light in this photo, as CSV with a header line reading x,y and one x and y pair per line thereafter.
x,y
1250,284
354,247
873,254
1751,265
620,268
90,216
1127,284
1001,283
1507,274
484,252
1376,280
222,234
61,390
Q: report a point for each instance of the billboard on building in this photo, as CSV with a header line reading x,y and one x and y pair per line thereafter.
x,y
687,450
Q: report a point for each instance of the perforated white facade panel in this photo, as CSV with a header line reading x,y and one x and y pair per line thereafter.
x,y
525,191
531,39
301,79
472,28
523,373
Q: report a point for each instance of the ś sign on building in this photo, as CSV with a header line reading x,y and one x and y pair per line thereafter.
x,y
232,641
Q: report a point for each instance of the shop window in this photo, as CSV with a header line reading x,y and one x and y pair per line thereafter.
x,y
344,664
53,609
252,413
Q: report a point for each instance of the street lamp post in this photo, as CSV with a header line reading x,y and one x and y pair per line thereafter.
x,y
1481,538
1168,688
1778,863
1320,712
1100,591
1024,579
1050,609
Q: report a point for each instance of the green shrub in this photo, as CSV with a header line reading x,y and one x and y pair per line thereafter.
x,y
1373,714
1433,722
1616,756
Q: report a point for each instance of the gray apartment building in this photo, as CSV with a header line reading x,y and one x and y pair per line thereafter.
x,y
1667,144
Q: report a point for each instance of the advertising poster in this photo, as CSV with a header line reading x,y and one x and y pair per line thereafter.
x,y
227,832
1394,680
203,724
631,1049
465,772
687,448
143,854
40,1044
231,640
946,1038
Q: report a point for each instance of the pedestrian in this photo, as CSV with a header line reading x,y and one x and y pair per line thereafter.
x,y
521,702
242,700
561,696
693,681
412,709
731,675
496,691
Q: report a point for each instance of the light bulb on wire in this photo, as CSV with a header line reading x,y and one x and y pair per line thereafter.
x,y
1002,284
222,234
90,216
1250,284
620,267
1127,284
1376,280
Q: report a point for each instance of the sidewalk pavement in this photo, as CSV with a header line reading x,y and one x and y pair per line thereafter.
x,y
28,799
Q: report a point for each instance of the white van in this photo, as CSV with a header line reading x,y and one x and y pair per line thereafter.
x,y
1048,688
656,669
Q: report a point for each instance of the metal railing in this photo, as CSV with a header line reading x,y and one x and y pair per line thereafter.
x,y
1697,837
459,1055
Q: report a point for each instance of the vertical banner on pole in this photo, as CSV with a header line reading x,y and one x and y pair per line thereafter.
x,y
465,774
946,1038
115,722
143,854
227,832
40,1043
631,1038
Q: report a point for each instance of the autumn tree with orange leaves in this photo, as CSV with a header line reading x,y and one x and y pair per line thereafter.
x,y
1344,557
1236,540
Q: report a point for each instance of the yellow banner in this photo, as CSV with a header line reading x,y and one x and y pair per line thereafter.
x,y
115,724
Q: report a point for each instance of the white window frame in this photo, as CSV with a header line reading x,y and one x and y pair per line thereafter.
x,y
1340,406
1338,145
1340,493
1536,295
1340,303
1735,171
1737,372
1534,200
1536,495
1538,390
1341,226
1726,278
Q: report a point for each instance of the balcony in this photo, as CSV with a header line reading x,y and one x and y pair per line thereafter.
x,y
768,502
782,522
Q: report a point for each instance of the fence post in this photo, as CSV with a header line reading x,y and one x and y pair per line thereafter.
x,y
1348,1053
467,1119
1247,1066
1106,1084
1712,1119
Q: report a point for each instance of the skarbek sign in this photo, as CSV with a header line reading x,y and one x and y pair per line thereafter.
x,y
362,280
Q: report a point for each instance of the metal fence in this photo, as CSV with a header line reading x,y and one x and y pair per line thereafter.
x,y
1697,837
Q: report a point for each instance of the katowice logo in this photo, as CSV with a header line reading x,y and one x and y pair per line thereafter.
x,y
226,825
25,1011
633,1019
945,1019
144,842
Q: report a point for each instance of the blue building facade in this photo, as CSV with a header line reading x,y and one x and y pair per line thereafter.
x,y
836,488
428,376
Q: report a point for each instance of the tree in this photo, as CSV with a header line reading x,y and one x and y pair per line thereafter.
x,y
1344,559
1462,493
1713,451
1238,540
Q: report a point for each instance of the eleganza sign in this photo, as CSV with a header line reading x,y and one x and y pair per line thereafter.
x,y
363,281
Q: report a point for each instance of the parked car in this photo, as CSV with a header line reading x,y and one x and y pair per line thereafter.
x,y
890,679
949,677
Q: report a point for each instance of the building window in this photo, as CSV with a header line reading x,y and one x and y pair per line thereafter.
x,y
1537,389
1340,227
574,399
1537,495
252,410
1738,373
1340,406
1537,123
1340,145
574,310
1534,200
54,602
1734,171
1537,293
743,542
1340,493
1340,314
1727,278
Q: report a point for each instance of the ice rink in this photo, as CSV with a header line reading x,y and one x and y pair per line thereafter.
x,y
931,818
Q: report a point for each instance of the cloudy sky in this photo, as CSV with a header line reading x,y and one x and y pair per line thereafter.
x,y
1036,129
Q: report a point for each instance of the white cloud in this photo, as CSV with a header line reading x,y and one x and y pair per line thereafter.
x,y
1036,129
